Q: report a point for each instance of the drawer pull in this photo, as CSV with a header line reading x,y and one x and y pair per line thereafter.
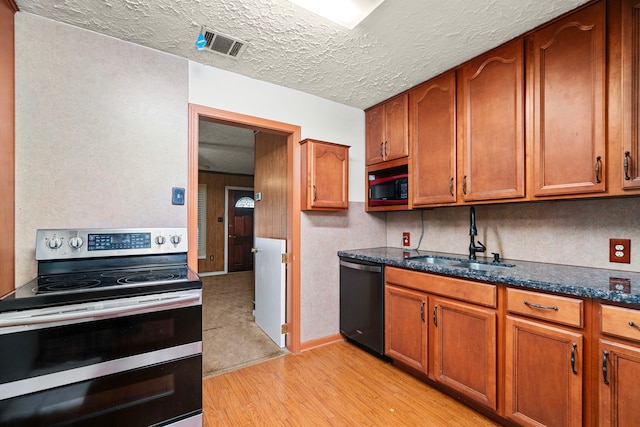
x,y
634,324
604,366
544,307
573,359
422,311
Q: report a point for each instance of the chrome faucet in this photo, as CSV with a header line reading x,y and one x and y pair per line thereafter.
x,y
473,249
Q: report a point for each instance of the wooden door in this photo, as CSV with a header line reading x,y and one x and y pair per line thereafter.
x,y
631,94
406,327
240,232
374,134
543,374
465,349
433,140
7,147
568,64
396,123
618,384
491,124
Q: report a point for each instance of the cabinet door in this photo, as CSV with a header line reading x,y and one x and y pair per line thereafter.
x,y
618,390
568,104
329,176
374,134
543,374
396,125
631,93
405,327
491,124
464,347
432,122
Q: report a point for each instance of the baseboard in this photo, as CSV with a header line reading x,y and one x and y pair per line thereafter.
x,y
319,342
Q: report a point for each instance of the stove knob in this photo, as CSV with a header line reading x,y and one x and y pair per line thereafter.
x,y
160,240
54,243
176,239
76,242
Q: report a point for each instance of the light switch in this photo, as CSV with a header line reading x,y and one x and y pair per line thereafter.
x,y
177,196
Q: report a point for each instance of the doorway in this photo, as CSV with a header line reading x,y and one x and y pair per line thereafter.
x,y
293,136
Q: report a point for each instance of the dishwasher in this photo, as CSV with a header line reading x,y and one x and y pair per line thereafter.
x,y
362,304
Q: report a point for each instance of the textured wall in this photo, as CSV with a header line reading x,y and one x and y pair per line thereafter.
x,y
323,235
575,232
101,133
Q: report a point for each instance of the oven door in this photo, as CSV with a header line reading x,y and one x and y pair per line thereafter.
x,y
134,362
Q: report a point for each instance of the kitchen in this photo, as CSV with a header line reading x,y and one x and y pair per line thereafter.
x,y
72,162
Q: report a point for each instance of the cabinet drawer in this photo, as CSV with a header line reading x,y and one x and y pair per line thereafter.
x,y
465,290
621,322
563,310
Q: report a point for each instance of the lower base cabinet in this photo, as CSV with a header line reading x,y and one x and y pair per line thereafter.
x,y
618,389
464,347
543,384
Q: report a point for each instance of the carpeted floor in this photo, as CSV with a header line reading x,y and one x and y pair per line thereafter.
x,y
230,337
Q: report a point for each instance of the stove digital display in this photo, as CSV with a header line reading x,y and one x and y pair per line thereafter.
x,y
109,242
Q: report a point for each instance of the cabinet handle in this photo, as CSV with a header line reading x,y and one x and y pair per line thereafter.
x,y
573,359
451,187
435,316
598,163
543,307
422,311
634,324
626,165
464,185
315,193
604,367
381,155
385,149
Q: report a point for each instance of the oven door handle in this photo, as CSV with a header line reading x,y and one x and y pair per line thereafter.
x,y
103,309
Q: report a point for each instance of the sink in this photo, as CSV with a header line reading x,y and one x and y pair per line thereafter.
x,y
461,263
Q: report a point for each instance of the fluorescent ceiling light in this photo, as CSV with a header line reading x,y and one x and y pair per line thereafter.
x,y
347,13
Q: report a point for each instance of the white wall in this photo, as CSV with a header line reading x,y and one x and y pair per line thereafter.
x,y
101,133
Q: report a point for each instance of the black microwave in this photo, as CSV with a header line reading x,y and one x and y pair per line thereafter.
x,y
391,190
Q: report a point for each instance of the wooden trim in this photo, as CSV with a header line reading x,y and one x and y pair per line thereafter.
x,y
320,342
293,133
12,5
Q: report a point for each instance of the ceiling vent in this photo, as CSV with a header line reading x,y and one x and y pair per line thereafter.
x,y
222,44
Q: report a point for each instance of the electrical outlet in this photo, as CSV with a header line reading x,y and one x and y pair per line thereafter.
x,y
406,239
620,250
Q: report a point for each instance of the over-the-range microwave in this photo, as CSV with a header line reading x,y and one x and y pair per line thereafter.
x,y
391,190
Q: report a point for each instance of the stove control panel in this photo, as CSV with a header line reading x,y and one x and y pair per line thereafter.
x,y
55,244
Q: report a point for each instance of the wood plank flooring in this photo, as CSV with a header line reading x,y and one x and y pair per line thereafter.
x,y
335,385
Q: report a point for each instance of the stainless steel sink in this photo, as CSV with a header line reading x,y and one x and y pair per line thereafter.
x,y
461,263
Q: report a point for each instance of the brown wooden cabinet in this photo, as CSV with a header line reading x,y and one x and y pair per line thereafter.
x,y
325,175
491,125
618,363
465,349
406,327
387,130
567,69
432,124
544,363
629,159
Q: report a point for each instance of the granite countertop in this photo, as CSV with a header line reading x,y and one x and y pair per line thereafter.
x,y
564,279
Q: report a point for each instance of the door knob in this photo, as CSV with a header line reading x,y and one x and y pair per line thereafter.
x,y
254,250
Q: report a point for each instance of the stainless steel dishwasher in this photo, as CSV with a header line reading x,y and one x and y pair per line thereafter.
x,y
362,304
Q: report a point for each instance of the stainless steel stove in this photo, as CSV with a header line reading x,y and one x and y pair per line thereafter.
x,y
108,333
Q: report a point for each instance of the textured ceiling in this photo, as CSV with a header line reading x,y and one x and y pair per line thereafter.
x,y
402,43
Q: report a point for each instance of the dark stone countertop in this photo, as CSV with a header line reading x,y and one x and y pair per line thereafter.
x,y
563,279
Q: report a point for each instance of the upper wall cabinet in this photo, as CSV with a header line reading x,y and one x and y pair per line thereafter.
x,y
432,124
325,175
491,140
567,104
386,130
630,37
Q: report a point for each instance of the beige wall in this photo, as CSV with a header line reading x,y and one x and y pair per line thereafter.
x,y
573,232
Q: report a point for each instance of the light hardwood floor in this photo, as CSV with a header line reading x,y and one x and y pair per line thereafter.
x,y
335,385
